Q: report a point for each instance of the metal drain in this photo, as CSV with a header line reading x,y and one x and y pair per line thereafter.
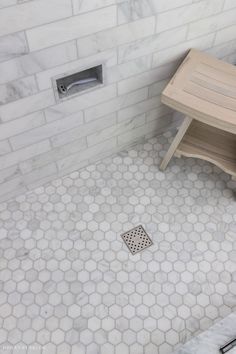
x,y
136,239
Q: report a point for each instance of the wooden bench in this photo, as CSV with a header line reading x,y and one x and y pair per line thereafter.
x,y
204,90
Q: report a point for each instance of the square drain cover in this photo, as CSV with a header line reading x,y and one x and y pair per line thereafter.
x,y
136,239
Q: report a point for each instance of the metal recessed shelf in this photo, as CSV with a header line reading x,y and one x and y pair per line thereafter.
x,y
71,84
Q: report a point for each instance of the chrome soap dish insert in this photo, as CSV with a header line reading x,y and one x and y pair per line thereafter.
x,y
73,83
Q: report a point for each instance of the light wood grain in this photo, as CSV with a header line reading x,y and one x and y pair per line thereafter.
x,y
211,98
204,88
211,144
179,136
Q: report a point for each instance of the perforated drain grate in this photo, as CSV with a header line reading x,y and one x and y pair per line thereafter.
x,y
136,239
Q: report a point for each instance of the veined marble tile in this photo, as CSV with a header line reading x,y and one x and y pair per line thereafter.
x,y
146,78
5,147
13,45
125,70
135,9
156,88
71,28
178,52
20,125
40,173
212,24
146,129
225,48
77,165
30,14
228,32
115,36
108,58
80,6
68,276
158,113
83,130
9,173
24,154
151,44
229,4
115,130
11,185
212,339
27,105
5,3
45,131
186,14
38,61
115,104
88,153
138,108
52,155
81,102
15,90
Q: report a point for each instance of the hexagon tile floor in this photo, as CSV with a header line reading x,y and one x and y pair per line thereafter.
x,y
68,281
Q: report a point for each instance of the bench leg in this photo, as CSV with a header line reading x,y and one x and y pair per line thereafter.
x,y
175,143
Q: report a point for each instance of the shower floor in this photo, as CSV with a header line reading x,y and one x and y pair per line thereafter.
x,y
69,285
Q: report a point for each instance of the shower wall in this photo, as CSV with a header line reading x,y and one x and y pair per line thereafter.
x,y
139,42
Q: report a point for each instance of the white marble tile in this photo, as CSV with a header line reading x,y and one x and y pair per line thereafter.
x,y
138,108
115,130
5,147
115,36
158,112
71,28
82,102
5,3
223,49
18,89
229,4
21,125
11,185
156,88
50,155
187,14
146,79
211,340
83,130
86,154
228,32
24,154
178,52
212,24
115,104
152,44
39,174
61,244
9,173
137,133
27,105
135,9
35,13
13,45
37,61
125,70
45,131
80,6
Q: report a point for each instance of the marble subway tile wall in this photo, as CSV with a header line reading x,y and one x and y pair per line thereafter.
x,y
139,42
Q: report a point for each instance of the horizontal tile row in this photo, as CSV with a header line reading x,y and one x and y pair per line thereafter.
x,y
71,28
133,10
31,14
